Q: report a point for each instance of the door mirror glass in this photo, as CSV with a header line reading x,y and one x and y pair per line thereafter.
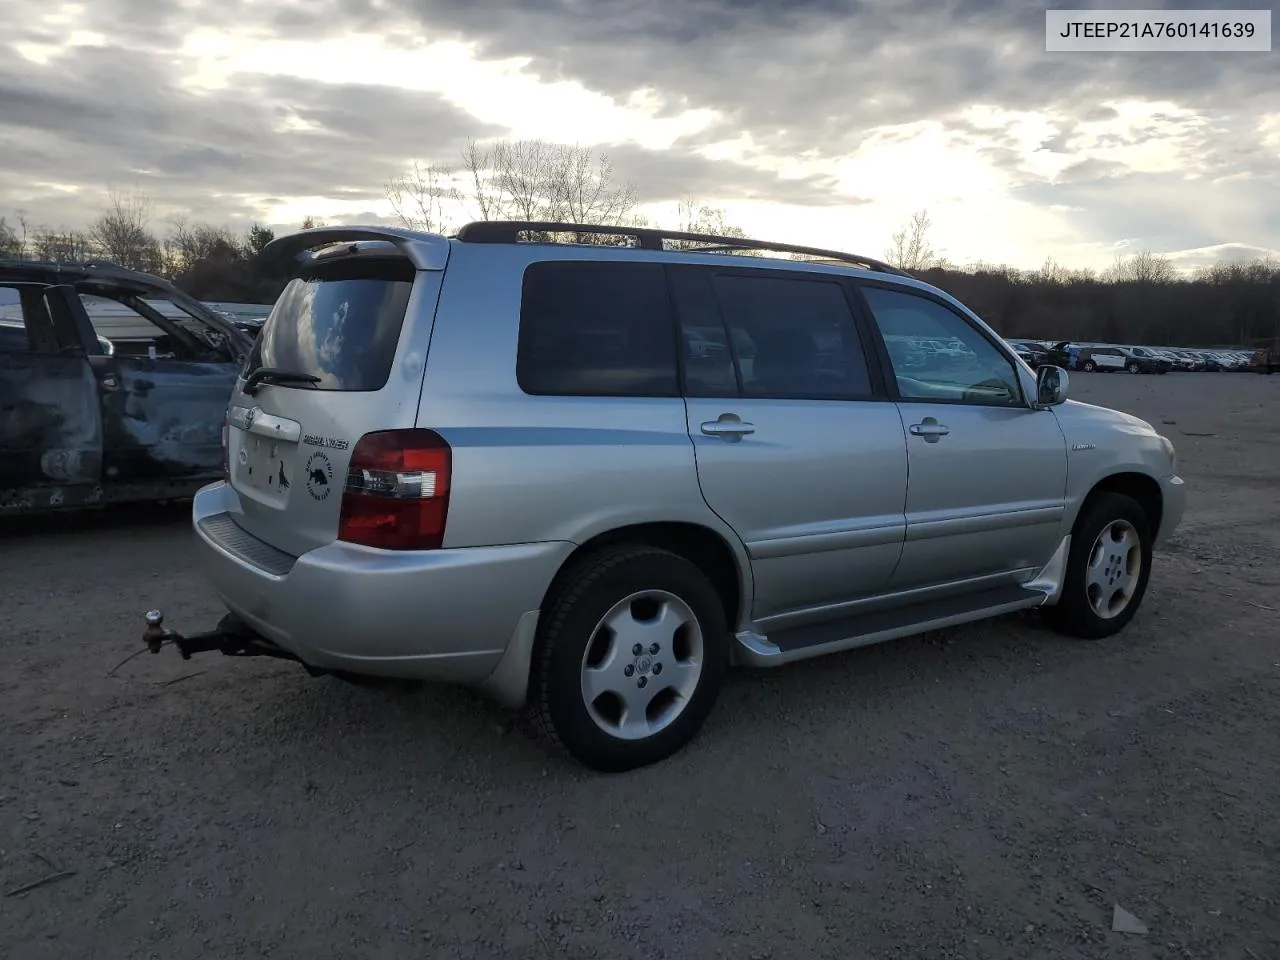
x,y
1051,386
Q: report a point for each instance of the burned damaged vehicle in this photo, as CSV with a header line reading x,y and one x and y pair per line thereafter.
x,y
113,386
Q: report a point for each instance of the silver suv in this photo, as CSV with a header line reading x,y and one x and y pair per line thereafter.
x,y
590,477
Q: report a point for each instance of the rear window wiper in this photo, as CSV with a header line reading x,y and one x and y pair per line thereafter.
x,y
275,375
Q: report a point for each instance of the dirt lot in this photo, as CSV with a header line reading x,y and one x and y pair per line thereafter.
x,y
988,792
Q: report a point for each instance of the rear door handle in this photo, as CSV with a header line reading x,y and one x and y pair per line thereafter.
x,y
728,426
930,429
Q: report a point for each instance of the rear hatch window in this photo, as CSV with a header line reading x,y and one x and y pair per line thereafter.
x,y
339,322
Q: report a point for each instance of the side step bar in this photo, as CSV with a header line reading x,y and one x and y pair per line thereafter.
x,y
815,640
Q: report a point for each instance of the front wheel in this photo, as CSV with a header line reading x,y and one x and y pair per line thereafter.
x,y
631,655
1107,569
1133,367
1088,366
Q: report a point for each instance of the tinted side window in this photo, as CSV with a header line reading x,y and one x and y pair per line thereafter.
x,y
794,337
708,360
937,355
597,329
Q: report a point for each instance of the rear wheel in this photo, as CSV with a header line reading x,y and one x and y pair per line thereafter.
x,y
1107,569
1132,367
1088,366
631,655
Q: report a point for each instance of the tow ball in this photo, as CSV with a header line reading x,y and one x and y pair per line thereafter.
x,y
220,638
231,637
155,635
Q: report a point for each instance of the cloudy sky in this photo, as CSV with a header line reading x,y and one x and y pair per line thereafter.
x,y
816,121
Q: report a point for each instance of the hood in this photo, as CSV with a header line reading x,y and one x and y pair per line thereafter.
x,y
1078,410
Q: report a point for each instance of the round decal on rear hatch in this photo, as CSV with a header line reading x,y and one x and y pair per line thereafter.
x,y
319,476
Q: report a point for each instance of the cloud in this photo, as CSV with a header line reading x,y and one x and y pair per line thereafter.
x,y
662,175
217,153
826,120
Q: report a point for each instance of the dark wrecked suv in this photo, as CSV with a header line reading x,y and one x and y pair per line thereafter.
x,y
113,386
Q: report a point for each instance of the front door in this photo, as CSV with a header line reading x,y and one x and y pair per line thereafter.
x,y
986,495
797,447
163,393
50,428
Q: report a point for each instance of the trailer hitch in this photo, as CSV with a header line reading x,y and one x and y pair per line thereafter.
x,y
232,637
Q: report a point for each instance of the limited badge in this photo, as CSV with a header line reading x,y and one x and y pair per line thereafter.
x,y
319,476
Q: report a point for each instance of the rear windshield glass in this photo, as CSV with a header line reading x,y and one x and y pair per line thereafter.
x,y
340,322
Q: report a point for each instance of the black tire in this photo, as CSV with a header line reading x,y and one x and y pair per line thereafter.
x,y
566,628
1088,366
1133,367
1073,614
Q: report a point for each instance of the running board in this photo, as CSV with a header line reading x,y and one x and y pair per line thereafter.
x,y
815,640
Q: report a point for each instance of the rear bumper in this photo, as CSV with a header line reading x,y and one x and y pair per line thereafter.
x,y
436,615
1174,505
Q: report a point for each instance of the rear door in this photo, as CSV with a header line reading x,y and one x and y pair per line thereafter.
x,y
50,429
797,447
1109,358
359,324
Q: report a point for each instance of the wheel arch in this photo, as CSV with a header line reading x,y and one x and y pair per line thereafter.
x,y
700,545
1137,486
727,564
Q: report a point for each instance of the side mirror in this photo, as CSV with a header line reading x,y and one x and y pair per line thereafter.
x,y
1051,386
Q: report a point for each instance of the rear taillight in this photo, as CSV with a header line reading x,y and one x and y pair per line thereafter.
x,y
397,491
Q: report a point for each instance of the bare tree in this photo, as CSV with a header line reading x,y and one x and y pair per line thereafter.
x,y
511,180
536,180
484,191
693,216
1265,269
526,172
12,245
420,195
1051,272
584,188
910,248
1142,267
122,232
696,217
189,244
69,246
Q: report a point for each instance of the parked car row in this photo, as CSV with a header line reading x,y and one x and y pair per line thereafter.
x,y
1119,358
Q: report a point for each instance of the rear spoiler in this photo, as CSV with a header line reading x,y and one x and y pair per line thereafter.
x,y
426,251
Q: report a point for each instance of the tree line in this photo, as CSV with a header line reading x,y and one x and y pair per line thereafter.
x,y
209,262
1140,299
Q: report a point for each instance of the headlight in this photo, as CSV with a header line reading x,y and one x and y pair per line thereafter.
x,y
1167,444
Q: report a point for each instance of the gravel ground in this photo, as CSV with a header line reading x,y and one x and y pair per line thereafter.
x,y
991,791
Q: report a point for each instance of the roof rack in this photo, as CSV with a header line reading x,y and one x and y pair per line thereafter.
x,y
650,238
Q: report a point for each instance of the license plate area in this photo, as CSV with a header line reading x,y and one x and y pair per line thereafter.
x,y
268,466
